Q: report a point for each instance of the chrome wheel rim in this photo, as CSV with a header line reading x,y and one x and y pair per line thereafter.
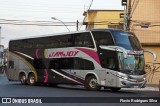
x,y
32,80
23,79
93,83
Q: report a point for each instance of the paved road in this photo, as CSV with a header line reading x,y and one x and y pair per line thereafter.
x,y
15,89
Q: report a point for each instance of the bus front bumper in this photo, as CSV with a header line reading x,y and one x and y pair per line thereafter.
x,y
131,84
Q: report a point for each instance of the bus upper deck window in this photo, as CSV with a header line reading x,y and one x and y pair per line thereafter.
x,y
102,38
83,40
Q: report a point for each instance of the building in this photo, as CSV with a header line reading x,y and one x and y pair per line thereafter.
x,y
145,23
103,19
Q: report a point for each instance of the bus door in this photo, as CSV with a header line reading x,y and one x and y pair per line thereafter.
x,y
109,62
111,73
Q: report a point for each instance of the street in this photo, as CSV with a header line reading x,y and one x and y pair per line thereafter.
x,y
15,89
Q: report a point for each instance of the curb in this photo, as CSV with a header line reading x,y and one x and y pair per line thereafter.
x,y
143,89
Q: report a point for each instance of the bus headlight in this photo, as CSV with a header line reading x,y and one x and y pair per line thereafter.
x,y
126,78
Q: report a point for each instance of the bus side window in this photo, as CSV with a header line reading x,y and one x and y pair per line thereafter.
x,y
111,63
83,64
88,42
102,38
66,63
83,40
78,42
64,41
11,64
54,64
108,63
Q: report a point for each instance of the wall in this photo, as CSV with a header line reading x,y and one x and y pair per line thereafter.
x,y
152,68
103,18
148,11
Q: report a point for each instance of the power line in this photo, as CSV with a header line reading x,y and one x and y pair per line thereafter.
x,y
35,24
48,23
133,4
136,4
20,21
90,5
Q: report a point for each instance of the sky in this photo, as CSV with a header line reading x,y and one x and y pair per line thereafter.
x,y
43,10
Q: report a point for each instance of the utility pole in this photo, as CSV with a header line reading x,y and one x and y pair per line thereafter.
x,y
0,35
77,25
129,15
124,14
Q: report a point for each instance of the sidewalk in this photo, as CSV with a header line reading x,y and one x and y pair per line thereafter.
x,y
2,74
149,87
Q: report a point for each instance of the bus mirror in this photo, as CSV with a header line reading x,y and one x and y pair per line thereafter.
x,y
107,47
153,53
115,48
123,51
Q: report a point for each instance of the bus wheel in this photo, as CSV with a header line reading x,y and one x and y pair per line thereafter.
x,y
31,79
115,89
23,79
91,83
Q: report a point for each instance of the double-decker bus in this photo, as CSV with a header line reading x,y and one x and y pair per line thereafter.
x,y
94,58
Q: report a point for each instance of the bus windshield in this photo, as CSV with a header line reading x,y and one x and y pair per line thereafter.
x,y
132,65
126,40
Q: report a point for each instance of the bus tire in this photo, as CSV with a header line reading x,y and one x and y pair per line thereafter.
x,y
115,89
91,83
23,79
31,79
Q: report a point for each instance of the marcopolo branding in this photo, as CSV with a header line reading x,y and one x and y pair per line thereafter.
x,y
134,52
71,53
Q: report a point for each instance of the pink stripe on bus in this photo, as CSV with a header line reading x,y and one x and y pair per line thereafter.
x,y
46,78
37,54
91,53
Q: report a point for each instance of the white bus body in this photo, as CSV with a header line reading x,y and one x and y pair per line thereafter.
x,y
93,58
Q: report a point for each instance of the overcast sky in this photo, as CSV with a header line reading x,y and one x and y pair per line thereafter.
x,y
43,10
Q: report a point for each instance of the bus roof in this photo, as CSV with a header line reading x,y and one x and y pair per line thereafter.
x,y
55,34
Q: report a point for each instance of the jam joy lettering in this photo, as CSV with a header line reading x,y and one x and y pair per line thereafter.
x,y
63,54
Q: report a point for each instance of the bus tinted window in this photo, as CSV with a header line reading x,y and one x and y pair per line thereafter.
x,y
127,40
54,64
83,40
63,41
83,64
60,41
53,42
39,64
102,38
109,63
15,45
71,63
